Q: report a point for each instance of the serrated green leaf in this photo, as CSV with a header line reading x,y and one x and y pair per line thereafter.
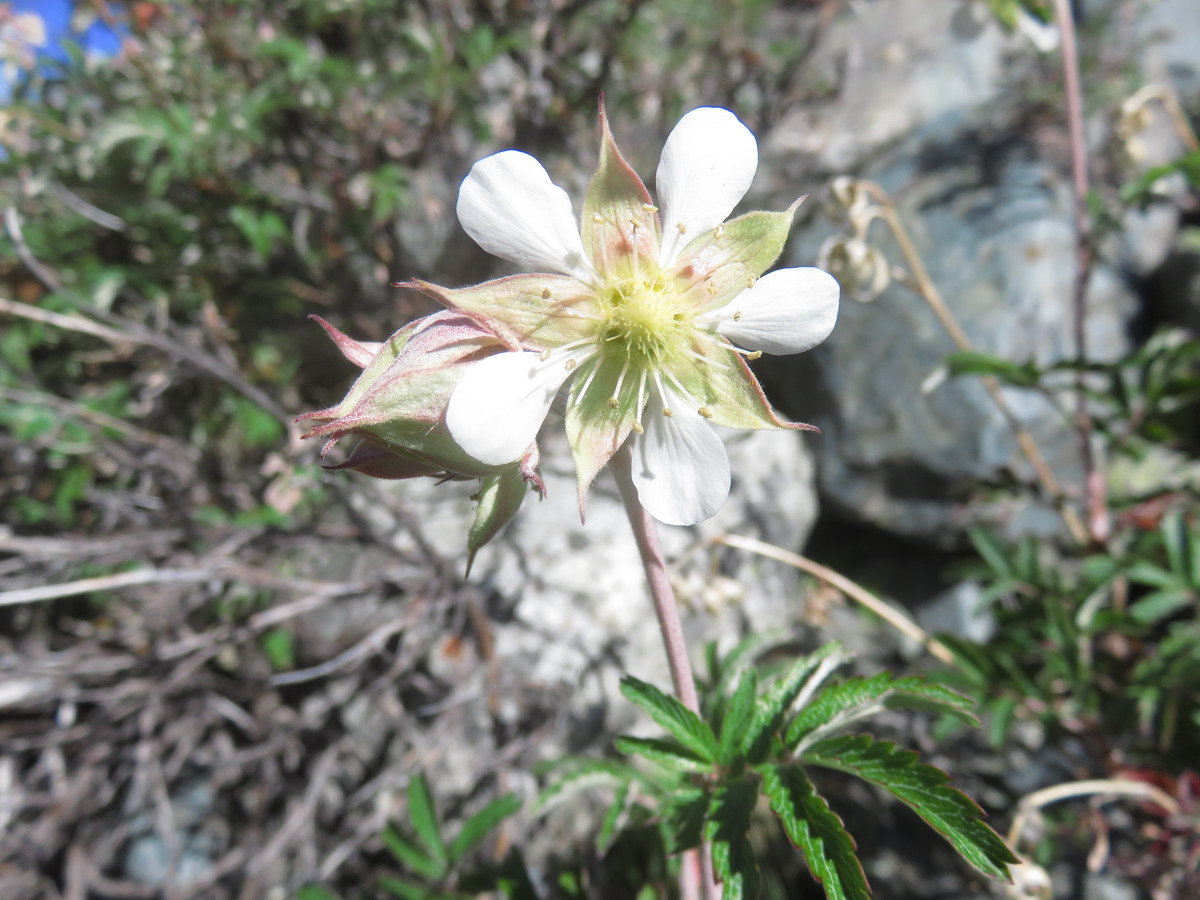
x,y
857,696
480,825
727,831
926,696
683,724
737,716
423,818
818,833
922,788
408,855
665,753
774,704
588,774
683,819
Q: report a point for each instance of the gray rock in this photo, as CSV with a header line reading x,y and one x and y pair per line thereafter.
x,y
960,611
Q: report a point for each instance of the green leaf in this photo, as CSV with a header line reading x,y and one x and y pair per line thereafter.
x,y
971,362
409,890
613,817
773,706
817,832
480,825
665,753
315,892
737,716
683,819
683,724
728,834
924,789
499,499
409,856
1160,605
423,818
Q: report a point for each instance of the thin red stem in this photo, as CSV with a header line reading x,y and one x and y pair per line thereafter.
x,y
1093,481
696,879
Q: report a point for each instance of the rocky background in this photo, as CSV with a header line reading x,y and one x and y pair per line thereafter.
x,y
242,717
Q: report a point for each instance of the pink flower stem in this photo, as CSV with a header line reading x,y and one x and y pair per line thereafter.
x,y
696,878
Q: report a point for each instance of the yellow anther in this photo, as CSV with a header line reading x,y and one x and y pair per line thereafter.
x,y
544,355
545,293
637,426
667,412
650,207
681,228
705,412
712,287
597,218
571,364
755,355
737,316
719,232
678,317
612,401
750,281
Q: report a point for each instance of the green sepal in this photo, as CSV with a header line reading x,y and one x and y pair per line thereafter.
x,y
732,256
724,385
618,219
500,496
595,428
536,312
727,831
817,832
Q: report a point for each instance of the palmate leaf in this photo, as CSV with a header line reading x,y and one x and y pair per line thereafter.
x,y
772,707
727,832
737,716
665,753
924,789
856,698
684,725
817,832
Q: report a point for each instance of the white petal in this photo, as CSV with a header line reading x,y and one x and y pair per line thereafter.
x,y
786,311
706,167
511,208
495,412
680,466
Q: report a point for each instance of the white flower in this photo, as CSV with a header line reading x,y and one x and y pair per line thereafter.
x,y
649,314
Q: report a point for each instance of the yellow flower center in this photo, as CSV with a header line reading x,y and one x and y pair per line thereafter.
x,y
643,320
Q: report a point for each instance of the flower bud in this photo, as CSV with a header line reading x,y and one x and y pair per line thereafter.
x,y
398,405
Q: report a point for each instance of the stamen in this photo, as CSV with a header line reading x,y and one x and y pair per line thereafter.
x,y
704,359
751,280
587,382
545,354
718,232
641,394
749,354
597,218
637,427
705,412
545,293
612,401
650,207
571,364
681,228
667,412
737,316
